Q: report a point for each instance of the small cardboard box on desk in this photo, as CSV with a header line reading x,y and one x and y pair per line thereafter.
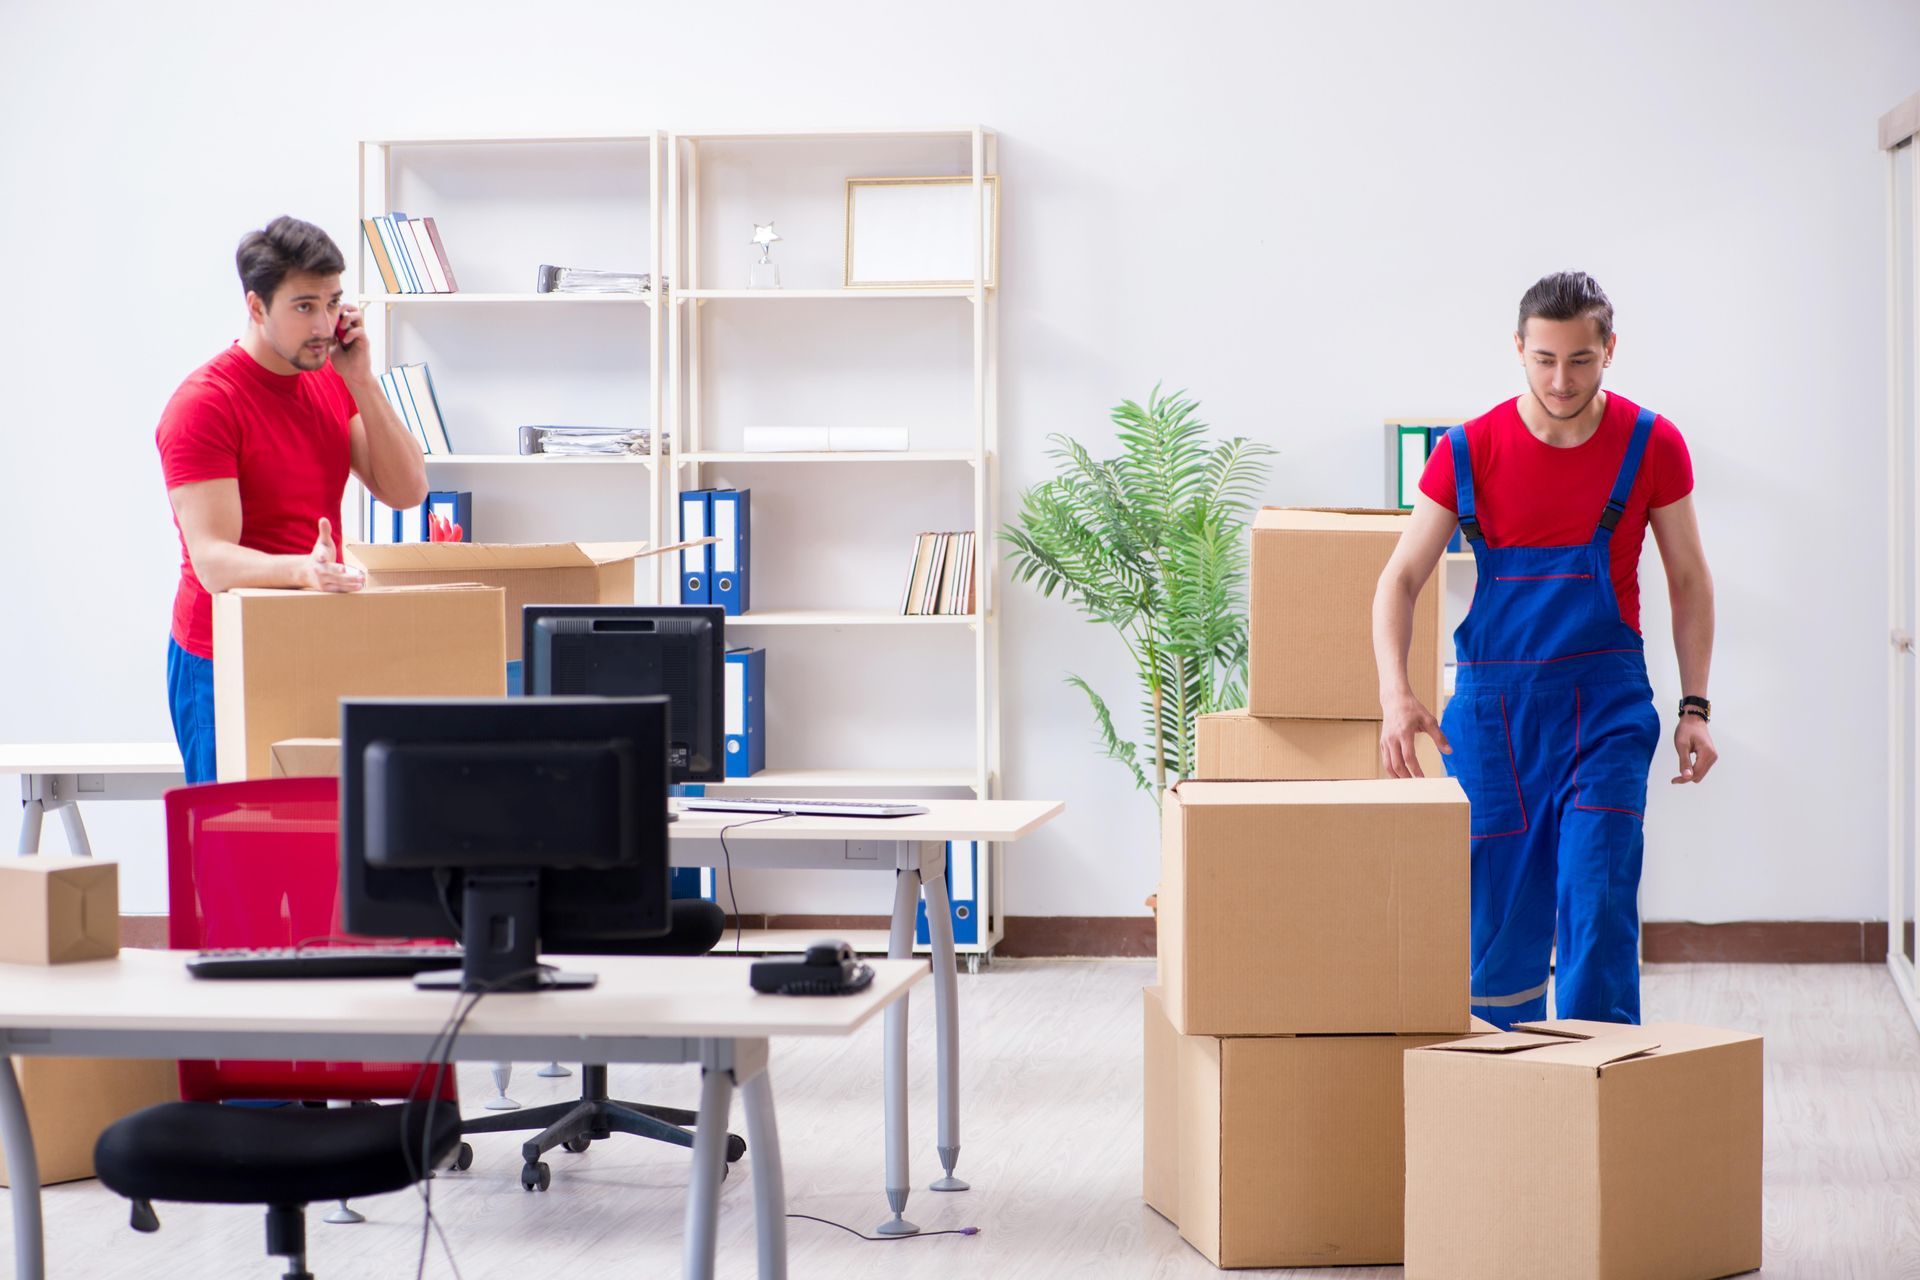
x,y
282,660
306,758
1585,1151
59,911
529,573
1310,615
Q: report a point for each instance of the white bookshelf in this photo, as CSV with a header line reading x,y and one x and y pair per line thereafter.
x,y
505,204
698,167
469,299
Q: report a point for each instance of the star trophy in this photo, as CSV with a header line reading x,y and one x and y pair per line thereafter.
x,y
764,274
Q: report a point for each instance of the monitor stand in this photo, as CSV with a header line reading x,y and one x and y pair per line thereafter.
x,y
500,934
548,980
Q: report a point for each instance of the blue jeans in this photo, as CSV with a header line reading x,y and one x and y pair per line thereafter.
x,y
190,693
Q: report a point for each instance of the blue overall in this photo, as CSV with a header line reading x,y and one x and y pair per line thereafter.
x,y
1553,733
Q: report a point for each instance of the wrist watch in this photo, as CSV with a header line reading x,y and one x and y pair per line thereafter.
x,y
1694,706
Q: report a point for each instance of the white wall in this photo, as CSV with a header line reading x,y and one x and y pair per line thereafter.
x,y
1312,216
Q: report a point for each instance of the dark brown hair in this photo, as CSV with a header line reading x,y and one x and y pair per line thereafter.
x,y
267,256
1567,295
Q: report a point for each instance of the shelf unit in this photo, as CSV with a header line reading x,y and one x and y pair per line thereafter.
x,y
691,336
384,166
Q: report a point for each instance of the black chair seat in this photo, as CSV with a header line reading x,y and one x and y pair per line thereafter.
x,y
205,1153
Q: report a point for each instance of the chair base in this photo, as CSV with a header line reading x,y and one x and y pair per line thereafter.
x,y
575,1125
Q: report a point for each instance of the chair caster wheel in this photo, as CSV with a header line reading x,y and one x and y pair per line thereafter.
x,y
736,1147
536,1176
577,1145
463,1158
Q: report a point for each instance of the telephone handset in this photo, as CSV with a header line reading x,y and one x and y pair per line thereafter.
x,y
830,968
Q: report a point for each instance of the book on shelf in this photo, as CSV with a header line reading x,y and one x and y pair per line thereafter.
x,y
825,440
581,442
409,254
409,389
552,279
940,576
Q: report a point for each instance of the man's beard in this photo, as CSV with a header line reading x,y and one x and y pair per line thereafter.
x,y
303,359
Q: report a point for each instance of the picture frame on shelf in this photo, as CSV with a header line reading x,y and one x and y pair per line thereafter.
x,y
915,232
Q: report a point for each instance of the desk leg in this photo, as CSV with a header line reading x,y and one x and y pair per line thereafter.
x,y
77,843
23,1172
906,898
32,812
769,1180
709,1167
946,1008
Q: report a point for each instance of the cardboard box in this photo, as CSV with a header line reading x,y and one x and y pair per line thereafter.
x,y
1277,1151
282,660
1237,747
306,758
56,910
1160,1109
70,1101
1303,908
1585,1151
1310,615
529,573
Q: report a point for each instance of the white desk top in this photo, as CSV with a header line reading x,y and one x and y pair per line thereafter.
x,y
704,997
90,757
990,820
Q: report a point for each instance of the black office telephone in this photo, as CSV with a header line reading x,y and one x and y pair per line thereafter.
x,y
830,968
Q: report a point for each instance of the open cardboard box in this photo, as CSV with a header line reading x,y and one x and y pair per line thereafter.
x,y
1585,1151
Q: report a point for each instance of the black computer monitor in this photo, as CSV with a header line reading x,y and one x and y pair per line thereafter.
x,y
504,821
678,651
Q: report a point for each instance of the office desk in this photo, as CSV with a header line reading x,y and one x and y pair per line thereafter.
x,y
53,777
913,849
144,1004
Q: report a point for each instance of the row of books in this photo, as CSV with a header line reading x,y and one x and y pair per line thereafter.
x,y
409,389
940,580
409,254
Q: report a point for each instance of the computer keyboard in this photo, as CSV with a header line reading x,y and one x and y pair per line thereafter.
x,y
324,962
822,808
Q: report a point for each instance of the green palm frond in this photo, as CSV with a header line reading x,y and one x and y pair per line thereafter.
x,y
1152,543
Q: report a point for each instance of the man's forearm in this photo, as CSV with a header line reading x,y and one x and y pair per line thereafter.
x,y
222,566
396,470
1692,602
1392,637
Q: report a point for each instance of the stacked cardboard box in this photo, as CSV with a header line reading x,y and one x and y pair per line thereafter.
x,y
1310,934
1312,925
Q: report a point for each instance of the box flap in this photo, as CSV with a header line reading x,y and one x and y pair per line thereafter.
x,y
445,557
1593,1052
1498,1042
1350,519
250,593
1365,791
1574,1028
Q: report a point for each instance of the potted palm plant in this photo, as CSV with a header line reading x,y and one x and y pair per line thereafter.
x,y
1153,543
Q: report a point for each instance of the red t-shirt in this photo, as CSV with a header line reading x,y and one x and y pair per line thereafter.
x,y
284,437
1530,494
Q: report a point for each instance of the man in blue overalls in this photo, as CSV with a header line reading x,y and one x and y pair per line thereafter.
x,y
1551,729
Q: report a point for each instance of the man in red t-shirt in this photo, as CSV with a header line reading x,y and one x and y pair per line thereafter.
x,y
1551,728
256,446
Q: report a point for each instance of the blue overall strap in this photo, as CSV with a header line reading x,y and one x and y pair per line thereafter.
x,y
1629,470
1463,483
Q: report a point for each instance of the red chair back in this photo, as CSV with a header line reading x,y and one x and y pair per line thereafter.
x,y
257,864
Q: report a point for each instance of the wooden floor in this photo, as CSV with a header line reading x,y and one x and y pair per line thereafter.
x,y
1052,1144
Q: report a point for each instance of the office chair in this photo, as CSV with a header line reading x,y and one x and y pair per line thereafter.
x,y
253,864
696,926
